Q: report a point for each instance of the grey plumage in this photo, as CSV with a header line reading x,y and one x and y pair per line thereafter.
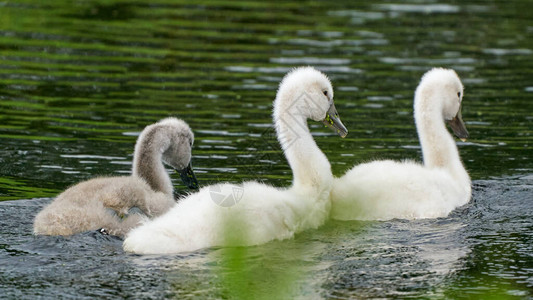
x,y
85,206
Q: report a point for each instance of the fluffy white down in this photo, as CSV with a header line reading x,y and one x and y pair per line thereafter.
x,y
383,190
264,213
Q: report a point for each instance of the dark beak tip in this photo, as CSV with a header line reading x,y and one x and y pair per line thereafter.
x,y
459,128
333,121
343,134
188,177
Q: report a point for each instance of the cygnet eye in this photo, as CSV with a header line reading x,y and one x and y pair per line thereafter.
x,y
325,93
459,94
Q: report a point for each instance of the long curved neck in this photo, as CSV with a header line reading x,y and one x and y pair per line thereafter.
x,y
147,163
310,167
438,146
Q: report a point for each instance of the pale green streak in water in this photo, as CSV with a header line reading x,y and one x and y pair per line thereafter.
x,y
81,79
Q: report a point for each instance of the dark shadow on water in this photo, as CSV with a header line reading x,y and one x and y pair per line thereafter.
x,y
111,12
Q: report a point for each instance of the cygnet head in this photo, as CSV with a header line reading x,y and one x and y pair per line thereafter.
x,y
308,93
443,90
174,139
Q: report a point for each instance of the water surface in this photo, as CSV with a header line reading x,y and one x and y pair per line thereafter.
x,y
78,81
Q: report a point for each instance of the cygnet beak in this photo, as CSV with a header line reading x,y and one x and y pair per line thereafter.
x,y
333,121
188,178
458,126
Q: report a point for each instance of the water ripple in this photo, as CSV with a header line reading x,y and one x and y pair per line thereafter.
x,y
420,8
309,61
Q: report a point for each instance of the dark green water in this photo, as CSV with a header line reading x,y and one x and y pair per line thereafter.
x,y
79,80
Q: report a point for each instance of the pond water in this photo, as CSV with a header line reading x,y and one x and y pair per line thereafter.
x,y
78,81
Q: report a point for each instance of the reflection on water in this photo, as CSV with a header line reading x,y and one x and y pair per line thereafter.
x,y
78,81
